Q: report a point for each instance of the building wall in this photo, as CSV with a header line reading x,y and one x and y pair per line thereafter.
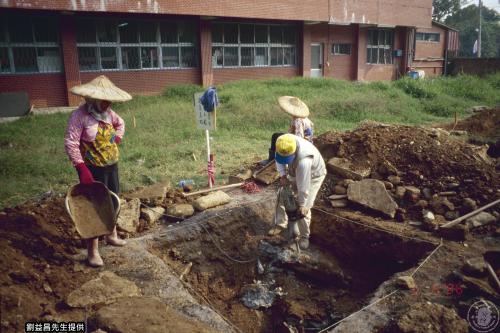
x,y
429,56
43,89
336,66
147,82
389,12
376,72
222,75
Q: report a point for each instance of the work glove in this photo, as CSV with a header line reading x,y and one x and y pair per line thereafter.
x,y
303,211
84,174
117,139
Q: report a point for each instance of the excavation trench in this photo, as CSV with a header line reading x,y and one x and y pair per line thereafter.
x,y
216,254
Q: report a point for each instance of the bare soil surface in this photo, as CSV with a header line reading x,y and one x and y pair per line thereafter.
x,y
354,259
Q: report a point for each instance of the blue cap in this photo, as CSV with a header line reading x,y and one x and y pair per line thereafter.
x,y
284,159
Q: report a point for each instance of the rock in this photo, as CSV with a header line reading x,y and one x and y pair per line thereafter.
x,y
427,193
339,203
394,180
241,177
153,214
447,193
134,314
47,288
478,108
459,232
480,219
400,192
104,289
388,185
475,267
258,295
413,190
150,193
346,182
451,215
458,133
430,223
339,189
371,193
422,204
213,199
20,277
426,317
181,210
441,205
128,219
400,214
99,331
406,282
344,168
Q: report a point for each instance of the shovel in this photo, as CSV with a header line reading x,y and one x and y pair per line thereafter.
x,y
93,209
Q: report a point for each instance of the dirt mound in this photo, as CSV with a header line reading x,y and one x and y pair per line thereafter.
x,y
422,157
484,124
37,242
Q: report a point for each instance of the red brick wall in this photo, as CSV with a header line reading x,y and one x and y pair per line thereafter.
x,y
400,12
206,53
147,82
223,75
43,89
389,12
429,56
377,72
70,58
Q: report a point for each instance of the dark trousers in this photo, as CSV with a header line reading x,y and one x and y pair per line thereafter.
x,y
272,151
107,175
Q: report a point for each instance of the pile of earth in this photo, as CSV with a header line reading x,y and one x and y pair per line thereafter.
x,y
482,127
37,268
449,177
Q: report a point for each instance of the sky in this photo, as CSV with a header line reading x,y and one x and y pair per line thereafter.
x,y
494,4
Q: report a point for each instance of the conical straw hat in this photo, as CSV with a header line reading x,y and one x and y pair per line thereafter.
x,y
293,106
103,89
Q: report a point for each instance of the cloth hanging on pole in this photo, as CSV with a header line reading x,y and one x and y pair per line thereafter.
x,y
209,99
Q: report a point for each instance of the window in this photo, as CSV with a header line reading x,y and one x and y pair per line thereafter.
x,y
341,49
129,45
428,36
253,45
380,46
29,45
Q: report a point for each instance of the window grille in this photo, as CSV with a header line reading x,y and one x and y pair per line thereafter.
x,y
380,46
253,45
29,45
132,45
341,49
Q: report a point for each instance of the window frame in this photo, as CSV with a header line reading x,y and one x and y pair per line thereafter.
x,y
387,34
10,46
337,52
426,37
158,44
255,45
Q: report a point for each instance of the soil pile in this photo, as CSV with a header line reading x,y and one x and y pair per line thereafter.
x,y
427,159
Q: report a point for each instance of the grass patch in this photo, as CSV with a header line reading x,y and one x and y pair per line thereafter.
x,y
162,145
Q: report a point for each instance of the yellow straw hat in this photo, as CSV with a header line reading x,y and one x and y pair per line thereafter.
x,y
293,106
103,89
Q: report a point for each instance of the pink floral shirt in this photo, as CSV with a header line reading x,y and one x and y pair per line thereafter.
x,y
82,126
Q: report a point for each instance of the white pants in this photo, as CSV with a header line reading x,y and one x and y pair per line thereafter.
x,y
302,226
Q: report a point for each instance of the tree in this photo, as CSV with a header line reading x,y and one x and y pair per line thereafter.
x,y
466,20
444,8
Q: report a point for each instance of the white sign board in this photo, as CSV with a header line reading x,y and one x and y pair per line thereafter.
x,y
204,119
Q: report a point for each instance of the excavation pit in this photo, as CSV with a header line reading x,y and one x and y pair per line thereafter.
x,y
216,255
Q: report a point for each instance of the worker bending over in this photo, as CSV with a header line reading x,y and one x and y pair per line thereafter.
x,y
298,161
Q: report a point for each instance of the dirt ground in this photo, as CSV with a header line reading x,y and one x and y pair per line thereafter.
x,y
39,245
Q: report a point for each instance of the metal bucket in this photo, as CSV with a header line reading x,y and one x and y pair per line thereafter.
x,y
93,209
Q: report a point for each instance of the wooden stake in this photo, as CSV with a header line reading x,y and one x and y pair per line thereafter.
x,y
466,216
213,189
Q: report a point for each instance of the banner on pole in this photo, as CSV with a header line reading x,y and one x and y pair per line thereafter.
x,y
204,120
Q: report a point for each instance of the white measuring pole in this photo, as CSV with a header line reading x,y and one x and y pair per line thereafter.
x,y
207,134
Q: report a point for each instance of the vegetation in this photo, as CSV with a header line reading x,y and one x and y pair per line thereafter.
x,y
165,142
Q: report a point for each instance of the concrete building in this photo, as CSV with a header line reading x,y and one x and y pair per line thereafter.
x,y
46,47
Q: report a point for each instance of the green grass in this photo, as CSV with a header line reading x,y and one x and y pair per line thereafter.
x,y
161,146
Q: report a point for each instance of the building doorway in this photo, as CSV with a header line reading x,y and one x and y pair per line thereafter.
x,y
316,60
